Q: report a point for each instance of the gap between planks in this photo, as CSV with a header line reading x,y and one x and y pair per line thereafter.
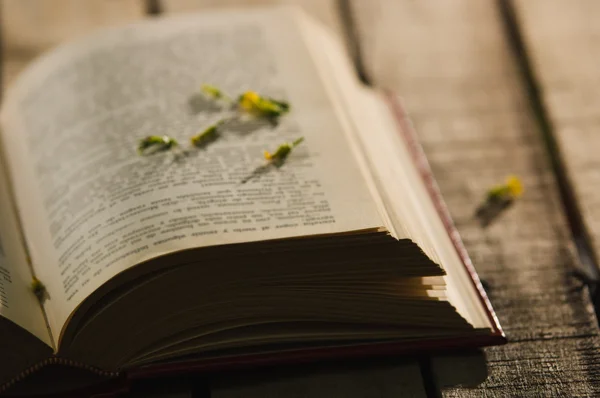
x,y
561,43
588,271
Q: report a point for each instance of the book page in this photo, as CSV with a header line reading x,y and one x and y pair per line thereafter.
x,y
415,213
17,301
92,207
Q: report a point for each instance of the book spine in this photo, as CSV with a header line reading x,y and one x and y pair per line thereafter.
x,y
55,361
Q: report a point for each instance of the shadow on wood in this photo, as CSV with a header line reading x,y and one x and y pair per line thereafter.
x,y
382,378
465,369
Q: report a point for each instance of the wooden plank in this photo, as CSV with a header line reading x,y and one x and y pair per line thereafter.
x,y
562,43
30,27
324,10
452,63
394,380
466,368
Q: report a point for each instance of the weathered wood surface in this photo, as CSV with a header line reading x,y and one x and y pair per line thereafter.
x,y
325,11
452,62
30,27
400,380
454,66
561,39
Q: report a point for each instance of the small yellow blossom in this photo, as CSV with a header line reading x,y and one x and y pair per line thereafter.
x,y
159,142
249,100
515,187
511,189
253,103
282,151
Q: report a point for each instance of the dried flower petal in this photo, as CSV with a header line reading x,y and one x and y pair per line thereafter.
x,y
285,106
253,103
213,92
511,189
38,288
282,151
209,134
158,142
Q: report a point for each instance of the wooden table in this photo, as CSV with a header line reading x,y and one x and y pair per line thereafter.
x,y
494,88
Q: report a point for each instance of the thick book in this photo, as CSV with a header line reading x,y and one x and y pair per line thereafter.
x,y
212,258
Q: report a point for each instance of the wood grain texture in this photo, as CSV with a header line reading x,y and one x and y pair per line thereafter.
x,y
452,63
323,10
562,40
401,379
30,27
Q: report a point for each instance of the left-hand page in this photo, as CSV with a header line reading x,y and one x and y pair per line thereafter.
x,y
17,301
91,207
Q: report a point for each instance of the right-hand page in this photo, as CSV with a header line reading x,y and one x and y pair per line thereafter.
x,y
92,207
404,194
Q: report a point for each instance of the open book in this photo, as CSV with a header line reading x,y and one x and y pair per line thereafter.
x,y
162,263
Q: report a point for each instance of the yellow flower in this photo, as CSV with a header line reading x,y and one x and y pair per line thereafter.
x,y
514,185
253,103
282,151
249,100
511,189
